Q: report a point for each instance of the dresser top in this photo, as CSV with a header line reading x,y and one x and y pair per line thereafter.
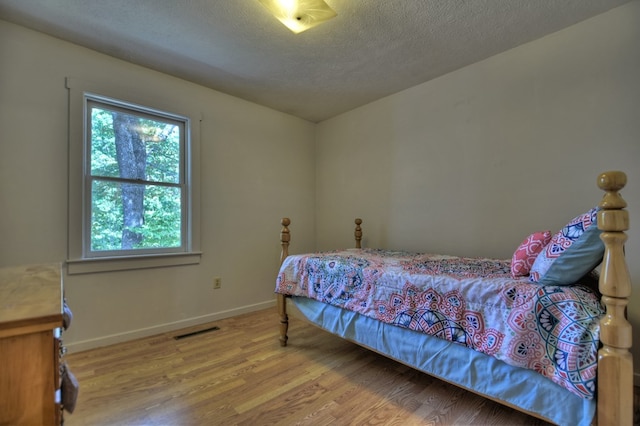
x,y
30,294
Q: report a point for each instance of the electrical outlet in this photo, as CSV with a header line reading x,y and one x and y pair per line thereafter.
x,y
217,282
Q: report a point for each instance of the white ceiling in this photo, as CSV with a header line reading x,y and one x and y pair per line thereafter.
x,y
373,48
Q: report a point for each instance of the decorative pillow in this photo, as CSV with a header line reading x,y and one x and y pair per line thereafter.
x,y
572,253
526,253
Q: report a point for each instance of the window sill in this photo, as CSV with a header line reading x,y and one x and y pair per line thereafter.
x,y
89,266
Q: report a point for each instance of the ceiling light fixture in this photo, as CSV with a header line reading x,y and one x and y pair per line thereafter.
x,y
299,15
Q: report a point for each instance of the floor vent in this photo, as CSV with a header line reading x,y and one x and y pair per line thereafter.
x,y
206,330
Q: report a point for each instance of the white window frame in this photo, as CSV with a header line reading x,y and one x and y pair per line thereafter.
x,y
80,259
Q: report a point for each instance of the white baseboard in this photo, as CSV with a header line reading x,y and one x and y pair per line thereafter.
x,y
84,345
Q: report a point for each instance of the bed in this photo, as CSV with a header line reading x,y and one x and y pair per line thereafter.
x,y
530,332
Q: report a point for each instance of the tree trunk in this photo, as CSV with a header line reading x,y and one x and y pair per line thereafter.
x,y
132,160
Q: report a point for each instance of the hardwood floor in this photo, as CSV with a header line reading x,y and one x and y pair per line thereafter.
x,y
239,375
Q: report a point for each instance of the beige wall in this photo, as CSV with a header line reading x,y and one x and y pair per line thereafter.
x,y
256,166
472,162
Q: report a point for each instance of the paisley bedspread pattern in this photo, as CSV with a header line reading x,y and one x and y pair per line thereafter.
x,y
474,302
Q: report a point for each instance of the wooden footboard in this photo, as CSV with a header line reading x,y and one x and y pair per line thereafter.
x,y
281,299
615,363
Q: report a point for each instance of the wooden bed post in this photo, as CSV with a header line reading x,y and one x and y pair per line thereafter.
x,y
615,363
358,233
281,298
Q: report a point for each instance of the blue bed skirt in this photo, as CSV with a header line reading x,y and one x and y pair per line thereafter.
x,y
455,363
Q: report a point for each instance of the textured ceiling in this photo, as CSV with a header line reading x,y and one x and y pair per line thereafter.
x,y
373,48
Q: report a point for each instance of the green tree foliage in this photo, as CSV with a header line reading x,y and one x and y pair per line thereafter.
x,y
136,177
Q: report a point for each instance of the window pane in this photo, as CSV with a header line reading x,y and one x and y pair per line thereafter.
x,y
106,216
103,147
129,216
133,146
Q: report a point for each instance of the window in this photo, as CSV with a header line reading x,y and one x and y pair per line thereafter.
x,y
135,191
134,194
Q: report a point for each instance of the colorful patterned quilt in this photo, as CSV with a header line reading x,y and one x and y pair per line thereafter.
x,y
473,302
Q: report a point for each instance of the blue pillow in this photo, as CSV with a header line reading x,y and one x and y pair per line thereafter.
x,y
572,253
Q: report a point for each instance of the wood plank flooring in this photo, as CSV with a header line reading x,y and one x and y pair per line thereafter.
x,y
239,375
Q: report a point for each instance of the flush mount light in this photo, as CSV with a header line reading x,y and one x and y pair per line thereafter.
x,y
299,15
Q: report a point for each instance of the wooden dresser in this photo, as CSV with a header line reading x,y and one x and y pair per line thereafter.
x,y
31,306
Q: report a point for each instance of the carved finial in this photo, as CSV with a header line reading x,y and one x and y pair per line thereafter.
x,y
611,183
284,233
358,233
284,238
